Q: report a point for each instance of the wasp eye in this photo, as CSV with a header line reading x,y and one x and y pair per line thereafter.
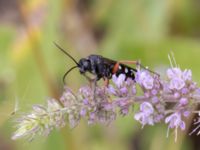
x,y
85,63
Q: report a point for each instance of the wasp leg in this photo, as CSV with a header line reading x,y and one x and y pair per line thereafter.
x,y
93,84
129,62
115,68
106,82
94,88
91,80
138,64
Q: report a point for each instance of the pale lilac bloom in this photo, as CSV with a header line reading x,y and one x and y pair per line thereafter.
x,y
73,120
186,113
183,101
85,92
147,108
119,80
68,98
124,105
155,100
145,116
85,101
122,87
108,106
174,73
185,91
177,95
133,90
111,89
83,112
187,75
129,82
176,83
178,78
144,79
123,90
175,121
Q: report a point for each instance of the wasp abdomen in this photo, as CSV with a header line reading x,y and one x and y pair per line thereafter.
x,y
128,71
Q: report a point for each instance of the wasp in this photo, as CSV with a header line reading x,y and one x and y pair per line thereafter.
x,y
101,67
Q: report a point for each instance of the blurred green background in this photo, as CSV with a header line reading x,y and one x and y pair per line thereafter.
x,y
31,67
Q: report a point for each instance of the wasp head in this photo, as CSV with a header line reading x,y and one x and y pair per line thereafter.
x,y
84,65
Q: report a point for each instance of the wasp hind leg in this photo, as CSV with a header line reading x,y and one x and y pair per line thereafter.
x,y
137,63
130,62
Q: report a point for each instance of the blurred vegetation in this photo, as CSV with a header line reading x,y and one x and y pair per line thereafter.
x,y
31,67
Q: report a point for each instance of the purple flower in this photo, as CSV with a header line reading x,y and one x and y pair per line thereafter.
x,y
175,121
145,116
144,79
178,78
111,90
121,87
119,80
73,120
184,91
187,75
83,112
86,92
123,91
123,105
174,73
68,98
101,116
91,118
183,101
176,83
108,106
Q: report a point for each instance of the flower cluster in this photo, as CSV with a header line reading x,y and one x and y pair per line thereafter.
x,y
41,120
171,100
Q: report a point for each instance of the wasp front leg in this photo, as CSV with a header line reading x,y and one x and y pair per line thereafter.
x,y
106,82
94,87
89,79
93,84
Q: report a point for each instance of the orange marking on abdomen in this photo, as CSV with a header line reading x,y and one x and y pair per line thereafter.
x,y
115,68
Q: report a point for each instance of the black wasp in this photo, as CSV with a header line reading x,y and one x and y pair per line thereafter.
x,y
102,67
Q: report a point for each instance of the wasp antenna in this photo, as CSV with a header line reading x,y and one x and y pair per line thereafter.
x,y
64,76
66,53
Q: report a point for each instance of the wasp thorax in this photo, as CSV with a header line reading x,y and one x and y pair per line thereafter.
x,y
84,65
